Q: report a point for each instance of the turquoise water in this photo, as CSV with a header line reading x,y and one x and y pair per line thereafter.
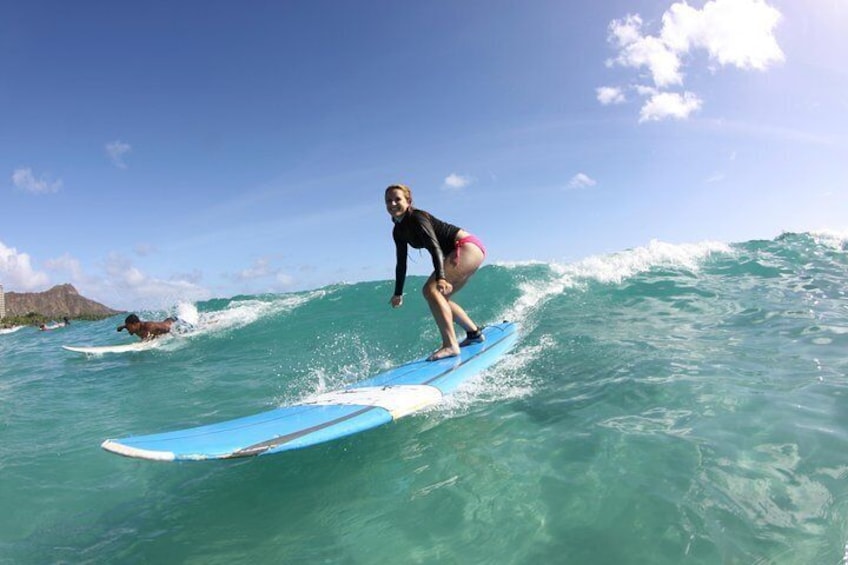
x,y
666,404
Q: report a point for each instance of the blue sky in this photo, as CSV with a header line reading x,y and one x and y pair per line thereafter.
x,y
154,152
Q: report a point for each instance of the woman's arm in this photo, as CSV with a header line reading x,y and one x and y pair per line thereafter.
x,y
400,265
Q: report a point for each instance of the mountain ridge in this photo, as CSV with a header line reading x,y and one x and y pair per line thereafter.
x,y
59,301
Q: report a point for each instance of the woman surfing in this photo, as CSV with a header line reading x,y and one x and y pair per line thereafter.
x,y
456,257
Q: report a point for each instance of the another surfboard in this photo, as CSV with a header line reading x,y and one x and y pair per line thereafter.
x,y
375,401
11,330
122,348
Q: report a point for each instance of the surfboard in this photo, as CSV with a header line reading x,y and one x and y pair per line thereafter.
x,y
11,330
372,402
122,348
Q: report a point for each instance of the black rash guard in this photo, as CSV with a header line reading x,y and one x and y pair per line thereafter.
x,y
421,230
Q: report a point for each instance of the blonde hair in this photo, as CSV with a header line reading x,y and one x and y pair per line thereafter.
x,y
407,192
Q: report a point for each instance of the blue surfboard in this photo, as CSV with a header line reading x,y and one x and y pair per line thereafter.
x,y
375,401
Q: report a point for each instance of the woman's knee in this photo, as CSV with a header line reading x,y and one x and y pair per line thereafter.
x,y
430,290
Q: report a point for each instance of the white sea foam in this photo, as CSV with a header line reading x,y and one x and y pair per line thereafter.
x,y
507,380
238,313
616,267
609,269
831,238
187,312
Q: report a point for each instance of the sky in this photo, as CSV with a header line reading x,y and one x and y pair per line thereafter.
x,y
157,152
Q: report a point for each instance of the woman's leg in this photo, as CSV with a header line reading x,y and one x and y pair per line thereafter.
x,y
461,318
443,315
445,311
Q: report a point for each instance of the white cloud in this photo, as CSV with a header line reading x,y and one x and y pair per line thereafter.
x,y
284,280
733,32
121,285
644,90
135,289
457,182
738,33
194,276
116,151
17,273
581,180
260,269
25,180
669,105
66,264
610,95
645,51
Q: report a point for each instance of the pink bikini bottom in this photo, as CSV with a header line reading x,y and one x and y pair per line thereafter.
x,y
468,239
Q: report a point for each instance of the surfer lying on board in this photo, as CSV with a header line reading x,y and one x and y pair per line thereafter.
x,y
54,325
456,256
146,330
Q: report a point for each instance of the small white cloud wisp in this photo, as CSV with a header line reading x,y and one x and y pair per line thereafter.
x,y
25,179
116,151
457,182
581,180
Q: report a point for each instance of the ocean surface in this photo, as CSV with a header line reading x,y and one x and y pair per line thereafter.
x,y
666,404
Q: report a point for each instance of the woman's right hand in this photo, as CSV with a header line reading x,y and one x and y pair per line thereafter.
x,y
396,301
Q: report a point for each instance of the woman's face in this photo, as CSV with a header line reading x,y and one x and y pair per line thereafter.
x,y
396,203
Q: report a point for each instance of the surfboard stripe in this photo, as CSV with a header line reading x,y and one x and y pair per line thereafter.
x,y
284,439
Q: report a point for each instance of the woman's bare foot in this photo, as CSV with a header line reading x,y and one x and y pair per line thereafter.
x,y
443,353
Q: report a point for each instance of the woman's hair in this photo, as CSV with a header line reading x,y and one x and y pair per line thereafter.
x,y
407,192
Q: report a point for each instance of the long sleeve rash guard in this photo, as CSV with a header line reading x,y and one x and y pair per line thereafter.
x,y
421,230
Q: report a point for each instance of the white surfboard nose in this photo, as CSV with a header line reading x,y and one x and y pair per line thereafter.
x,y
399,400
